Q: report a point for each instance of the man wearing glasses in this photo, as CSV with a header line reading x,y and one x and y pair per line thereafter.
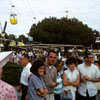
x,y
89,74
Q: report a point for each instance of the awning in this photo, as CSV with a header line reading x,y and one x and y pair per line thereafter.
x,y
4,57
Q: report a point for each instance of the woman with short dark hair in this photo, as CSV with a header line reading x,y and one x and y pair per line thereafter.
x,y
71,78
37,88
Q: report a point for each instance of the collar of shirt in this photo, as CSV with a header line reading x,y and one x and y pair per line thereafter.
x,y
50,67
86,65
28,65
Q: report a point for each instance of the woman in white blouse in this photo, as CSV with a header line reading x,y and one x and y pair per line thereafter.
x,y
71,79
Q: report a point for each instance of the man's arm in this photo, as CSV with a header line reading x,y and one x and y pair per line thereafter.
x,y
19,88
26,98
54,84
92,79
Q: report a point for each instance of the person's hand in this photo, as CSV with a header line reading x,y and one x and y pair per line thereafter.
x,y
69,82
87,78
38,93
26,98
46,91
84,78
53,84
18,89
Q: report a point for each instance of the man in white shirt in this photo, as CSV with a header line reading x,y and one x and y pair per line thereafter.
x,y
25,75
89,74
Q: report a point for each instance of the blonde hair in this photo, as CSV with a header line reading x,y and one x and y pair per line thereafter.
x,y
59,64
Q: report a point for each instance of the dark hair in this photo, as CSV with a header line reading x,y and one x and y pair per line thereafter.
x,y
86,54
50,52
98,62
98,56
35,66
71,60
25,56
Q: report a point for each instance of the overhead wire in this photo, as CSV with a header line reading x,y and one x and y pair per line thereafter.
x,y
34,17
27,8
28,2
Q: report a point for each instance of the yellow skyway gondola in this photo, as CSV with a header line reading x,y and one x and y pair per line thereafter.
x,y
13,20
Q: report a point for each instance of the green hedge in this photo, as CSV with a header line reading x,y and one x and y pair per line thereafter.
x,y
11,73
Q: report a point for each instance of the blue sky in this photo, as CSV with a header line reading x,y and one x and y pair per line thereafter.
x,y
87,11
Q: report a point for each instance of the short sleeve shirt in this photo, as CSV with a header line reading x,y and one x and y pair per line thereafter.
x,y
35,83
25,74
7,92
92,72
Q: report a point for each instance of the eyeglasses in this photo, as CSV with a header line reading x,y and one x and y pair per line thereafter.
x,y
90,57
52,57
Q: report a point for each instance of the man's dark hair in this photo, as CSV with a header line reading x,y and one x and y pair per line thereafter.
x,y
87,54
50,52
35,66
26,56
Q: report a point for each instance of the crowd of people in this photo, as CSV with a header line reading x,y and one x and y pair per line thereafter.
x,y
55,78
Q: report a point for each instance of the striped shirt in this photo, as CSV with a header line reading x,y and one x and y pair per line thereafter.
x,y
58,88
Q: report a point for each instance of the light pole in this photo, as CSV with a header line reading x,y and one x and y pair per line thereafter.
x,y
66,14
34,19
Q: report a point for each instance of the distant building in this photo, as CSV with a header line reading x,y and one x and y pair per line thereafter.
x,y
97,40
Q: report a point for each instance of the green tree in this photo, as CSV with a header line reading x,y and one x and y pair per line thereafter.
x,y
22,38
12,37
62,31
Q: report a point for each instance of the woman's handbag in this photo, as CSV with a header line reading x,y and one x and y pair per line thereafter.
x,y
66,95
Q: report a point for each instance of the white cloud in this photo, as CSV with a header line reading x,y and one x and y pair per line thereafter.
x,y
86,11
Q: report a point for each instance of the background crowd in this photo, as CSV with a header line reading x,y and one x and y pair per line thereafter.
x,y
50,76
